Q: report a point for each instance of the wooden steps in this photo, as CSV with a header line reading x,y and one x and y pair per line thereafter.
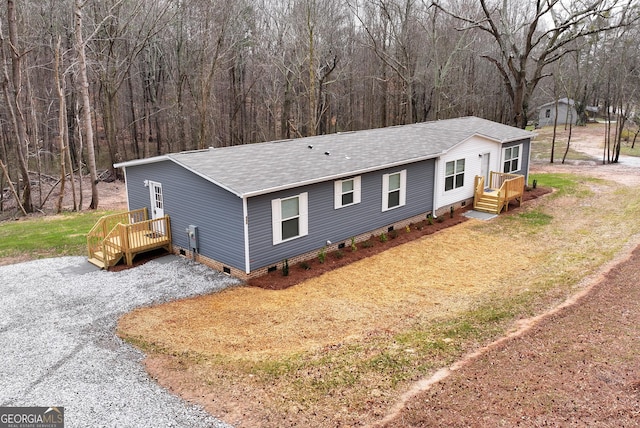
x,y
488,203
123,236
96,262
99,259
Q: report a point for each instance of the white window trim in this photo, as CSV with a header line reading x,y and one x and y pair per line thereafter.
x,y
385,190
337,191
504,157
303,215
455,174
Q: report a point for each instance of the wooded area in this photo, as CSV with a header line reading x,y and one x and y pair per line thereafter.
x,y
90,83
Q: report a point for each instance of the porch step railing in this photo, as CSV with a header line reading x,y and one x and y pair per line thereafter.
x,y
105,224
128,240
502,189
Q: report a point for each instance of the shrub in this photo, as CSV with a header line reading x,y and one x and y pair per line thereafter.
x,y
353,244
393,234
408,228
338,254
430,218
322,255
367,244
305,265
383,237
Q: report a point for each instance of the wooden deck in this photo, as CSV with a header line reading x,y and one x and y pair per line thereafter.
x,y
493,197
123,236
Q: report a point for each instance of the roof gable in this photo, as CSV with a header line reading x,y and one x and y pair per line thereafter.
x,y
260,168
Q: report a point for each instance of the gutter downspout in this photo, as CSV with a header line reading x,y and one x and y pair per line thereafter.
x,y
528,162
245,215
436,169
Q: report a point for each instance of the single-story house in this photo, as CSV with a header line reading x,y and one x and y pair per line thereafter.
x,y
566,113
244,209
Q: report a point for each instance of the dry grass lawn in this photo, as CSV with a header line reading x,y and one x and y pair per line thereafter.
x,y
340,348
437,275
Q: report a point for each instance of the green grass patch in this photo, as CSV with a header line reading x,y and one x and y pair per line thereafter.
x,y
535,218
563,183
60,235
628,151
541,151
566,184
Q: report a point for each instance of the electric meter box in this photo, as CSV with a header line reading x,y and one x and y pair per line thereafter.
x,y
192,231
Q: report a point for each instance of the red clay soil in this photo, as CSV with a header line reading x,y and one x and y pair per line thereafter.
x,y
546,377
302,271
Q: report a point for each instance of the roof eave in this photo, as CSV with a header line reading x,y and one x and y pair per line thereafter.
x,y
495,140
163,158
137,162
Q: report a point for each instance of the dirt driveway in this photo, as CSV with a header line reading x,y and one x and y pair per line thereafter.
x,y
589,140
576,366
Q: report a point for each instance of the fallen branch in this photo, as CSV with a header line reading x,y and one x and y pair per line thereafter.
x,y
49,194
13,189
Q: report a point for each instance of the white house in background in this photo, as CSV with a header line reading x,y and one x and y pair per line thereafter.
x,y
566,112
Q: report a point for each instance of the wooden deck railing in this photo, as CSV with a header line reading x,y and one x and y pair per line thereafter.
x,y
104,225
144,236
478,185
128,240
497,179
503,188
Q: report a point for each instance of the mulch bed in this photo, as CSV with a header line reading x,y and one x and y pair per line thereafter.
x,y
312,268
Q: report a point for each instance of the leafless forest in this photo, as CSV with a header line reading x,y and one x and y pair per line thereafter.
x,y
90,83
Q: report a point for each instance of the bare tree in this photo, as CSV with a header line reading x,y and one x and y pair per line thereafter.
x,y
12,92
62,124
397,45
526,44
83,82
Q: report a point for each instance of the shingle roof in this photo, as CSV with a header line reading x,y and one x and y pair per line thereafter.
x,y
560,101
260,168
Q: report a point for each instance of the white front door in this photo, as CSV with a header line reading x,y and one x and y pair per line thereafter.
x,y
485,166
157,205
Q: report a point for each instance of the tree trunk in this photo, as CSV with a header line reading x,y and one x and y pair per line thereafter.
x,y
566,150
555,128
313,107
86,104
11,188
15,105
80,163
62,124
134,117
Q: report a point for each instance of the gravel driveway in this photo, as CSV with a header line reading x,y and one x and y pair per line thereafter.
x,y
57,322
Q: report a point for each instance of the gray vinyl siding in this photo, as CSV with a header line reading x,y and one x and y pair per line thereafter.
x,y
566,114
190,199
336,225
524,163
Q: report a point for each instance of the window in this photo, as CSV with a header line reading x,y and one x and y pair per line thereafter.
x,y
511,156
347,192
547,113
454,174
290,218
394,190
